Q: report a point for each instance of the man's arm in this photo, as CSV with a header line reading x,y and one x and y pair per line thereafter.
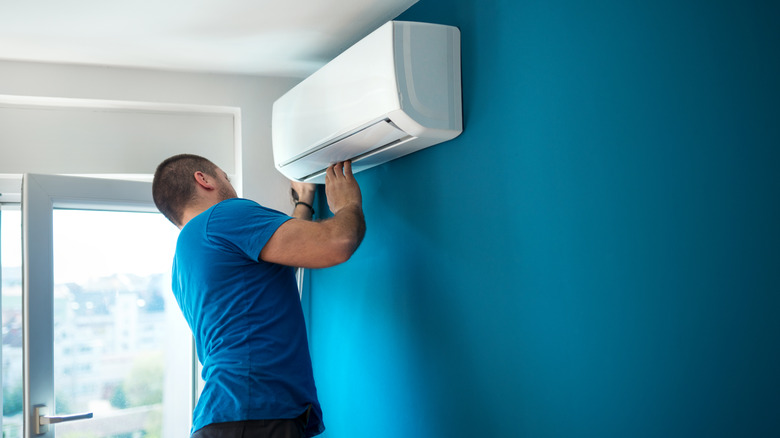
x,y
307,244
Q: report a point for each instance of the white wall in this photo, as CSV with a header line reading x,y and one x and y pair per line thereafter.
x,y
253,96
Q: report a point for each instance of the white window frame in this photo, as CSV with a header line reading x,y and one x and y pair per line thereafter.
x,y
41,194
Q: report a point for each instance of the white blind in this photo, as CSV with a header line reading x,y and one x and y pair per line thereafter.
x,y
91,139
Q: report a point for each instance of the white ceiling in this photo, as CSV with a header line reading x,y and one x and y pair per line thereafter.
x,y
259,37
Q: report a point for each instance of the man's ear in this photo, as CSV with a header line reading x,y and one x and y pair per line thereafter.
x,y
204,180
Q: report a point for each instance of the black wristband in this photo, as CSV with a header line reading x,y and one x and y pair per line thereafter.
x,y
303,203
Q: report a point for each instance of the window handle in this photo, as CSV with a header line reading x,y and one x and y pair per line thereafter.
x,y
42,425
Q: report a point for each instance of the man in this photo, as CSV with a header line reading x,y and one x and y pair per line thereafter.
x,y
234,282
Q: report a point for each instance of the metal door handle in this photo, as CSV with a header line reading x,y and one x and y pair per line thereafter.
x,y
54,419
42,425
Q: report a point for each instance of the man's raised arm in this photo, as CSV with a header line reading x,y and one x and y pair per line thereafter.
x,y
302,243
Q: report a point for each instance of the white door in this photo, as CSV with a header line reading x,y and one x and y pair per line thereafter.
x,y
106,351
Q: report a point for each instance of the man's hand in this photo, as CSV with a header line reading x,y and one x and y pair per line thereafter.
x,y
341,188
303,192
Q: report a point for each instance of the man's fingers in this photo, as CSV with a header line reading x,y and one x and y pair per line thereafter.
x,y
343,168
330,173
337,171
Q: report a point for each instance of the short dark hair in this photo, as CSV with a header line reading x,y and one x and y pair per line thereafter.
x,y
173,186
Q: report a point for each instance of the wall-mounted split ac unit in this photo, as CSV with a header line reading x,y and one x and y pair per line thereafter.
x,y
392,93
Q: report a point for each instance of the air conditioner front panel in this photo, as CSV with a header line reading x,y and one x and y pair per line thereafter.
x,y
347,93
394,92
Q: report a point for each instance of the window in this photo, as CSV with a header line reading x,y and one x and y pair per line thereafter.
x,y
119,347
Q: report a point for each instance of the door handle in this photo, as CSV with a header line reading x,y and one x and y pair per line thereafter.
x,y
42,425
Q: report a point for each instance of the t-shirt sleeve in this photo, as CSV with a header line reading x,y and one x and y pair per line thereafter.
x,y
244,226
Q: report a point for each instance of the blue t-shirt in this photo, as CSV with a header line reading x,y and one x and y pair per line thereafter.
x,y
246,317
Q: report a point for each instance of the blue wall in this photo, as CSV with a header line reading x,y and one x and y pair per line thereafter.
x,y
597,255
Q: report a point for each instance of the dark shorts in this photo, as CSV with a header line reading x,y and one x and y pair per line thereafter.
x,y
256,428
252,429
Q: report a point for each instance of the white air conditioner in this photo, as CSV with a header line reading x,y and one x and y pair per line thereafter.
x,y
392,93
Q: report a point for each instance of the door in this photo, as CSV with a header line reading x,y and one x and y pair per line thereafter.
x,y
106,350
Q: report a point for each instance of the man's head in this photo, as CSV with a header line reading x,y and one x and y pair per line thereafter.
x,y
177,180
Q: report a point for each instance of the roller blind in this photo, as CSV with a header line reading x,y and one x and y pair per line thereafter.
x,y
78,140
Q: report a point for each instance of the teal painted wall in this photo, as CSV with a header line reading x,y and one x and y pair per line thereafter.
x,y
597,255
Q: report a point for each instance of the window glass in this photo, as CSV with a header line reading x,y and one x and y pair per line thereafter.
x,y
11,261
113,308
